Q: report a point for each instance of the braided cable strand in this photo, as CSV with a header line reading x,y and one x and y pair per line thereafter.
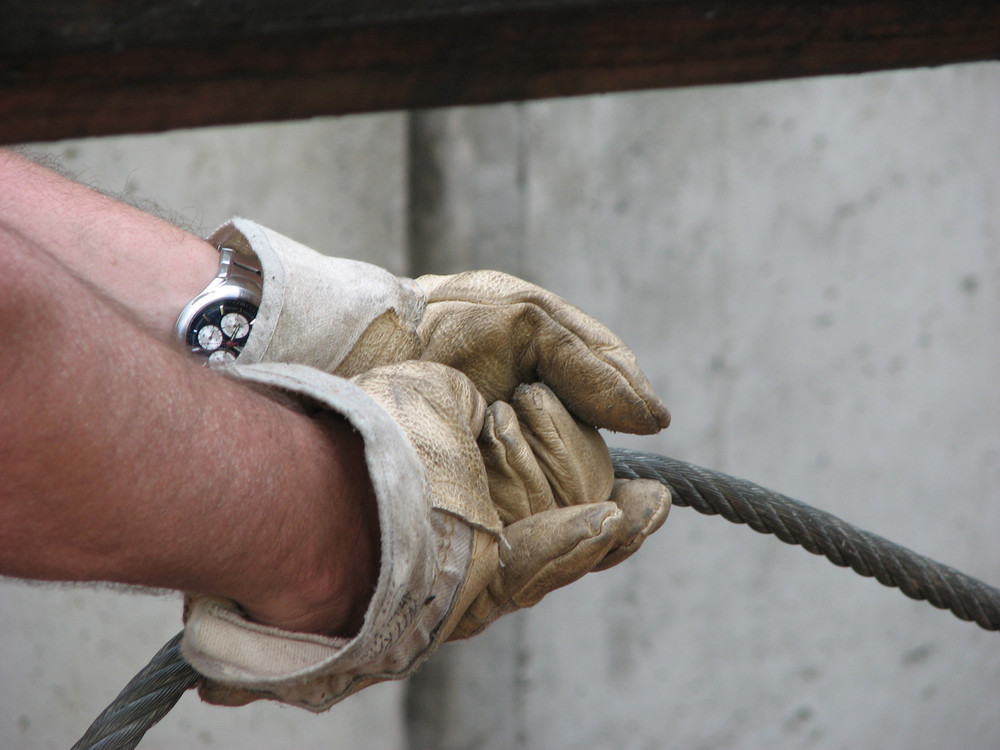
x,y
153,692
817,531
146,699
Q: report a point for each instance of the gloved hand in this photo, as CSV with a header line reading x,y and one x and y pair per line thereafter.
x,y
482,510
564,514
345,317
457,553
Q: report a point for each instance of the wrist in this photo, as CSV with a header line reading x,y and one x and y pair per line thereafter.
x,y
218,322
322,572
193,263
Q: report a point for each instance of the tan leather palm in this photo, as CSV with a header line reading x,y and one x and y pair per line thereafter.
x,y
442,414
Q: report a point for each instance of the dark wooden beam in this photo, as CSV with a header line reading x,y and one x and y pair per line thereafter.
x,y
92,67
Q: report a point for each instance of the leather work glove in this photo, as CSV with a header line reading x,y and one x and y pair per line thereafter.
x,y
564,514
482,510
345,317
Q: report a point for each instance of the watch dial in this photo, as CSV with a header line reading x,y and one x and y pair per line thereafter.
x,y
221,331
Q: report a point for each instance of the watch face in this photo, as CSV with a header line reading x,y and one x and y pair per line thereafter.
x,y
220,331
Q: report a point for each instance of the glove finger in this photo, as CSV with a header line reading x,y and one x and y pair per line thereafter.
x,y
645,504
573,456
502,331
518,486
546,551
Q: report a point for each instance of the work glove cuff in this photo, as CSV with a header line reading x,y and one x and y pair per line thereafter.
x,y
419,579
308,295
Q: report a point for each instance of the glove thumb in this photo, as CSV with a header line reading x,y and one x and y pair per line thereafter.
x,y
541,553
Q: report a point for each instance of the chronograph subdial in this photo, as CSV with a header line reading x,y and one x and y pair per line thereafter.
x,y
235,326
210,338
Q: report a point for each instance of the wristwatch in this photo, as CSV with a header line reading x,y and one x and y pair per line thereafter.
x,y
217,322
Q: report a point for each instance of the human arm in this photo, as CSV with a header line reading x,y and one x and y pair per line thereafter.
x,y
142,262
125,461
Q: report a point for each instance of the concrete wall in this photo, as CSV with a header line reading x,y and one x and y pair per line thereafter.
x,y
810,273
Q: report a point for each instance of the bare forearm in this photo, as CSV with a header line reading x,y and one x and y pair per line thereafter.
x,y
144,263
124,461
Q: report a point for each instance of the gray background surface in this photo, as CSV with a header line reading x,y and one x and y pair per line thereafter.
x,y
809,272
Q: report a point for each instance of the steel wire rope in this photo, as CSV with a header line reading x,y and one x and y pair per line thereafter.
x,y
159,685
737,500
145,700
